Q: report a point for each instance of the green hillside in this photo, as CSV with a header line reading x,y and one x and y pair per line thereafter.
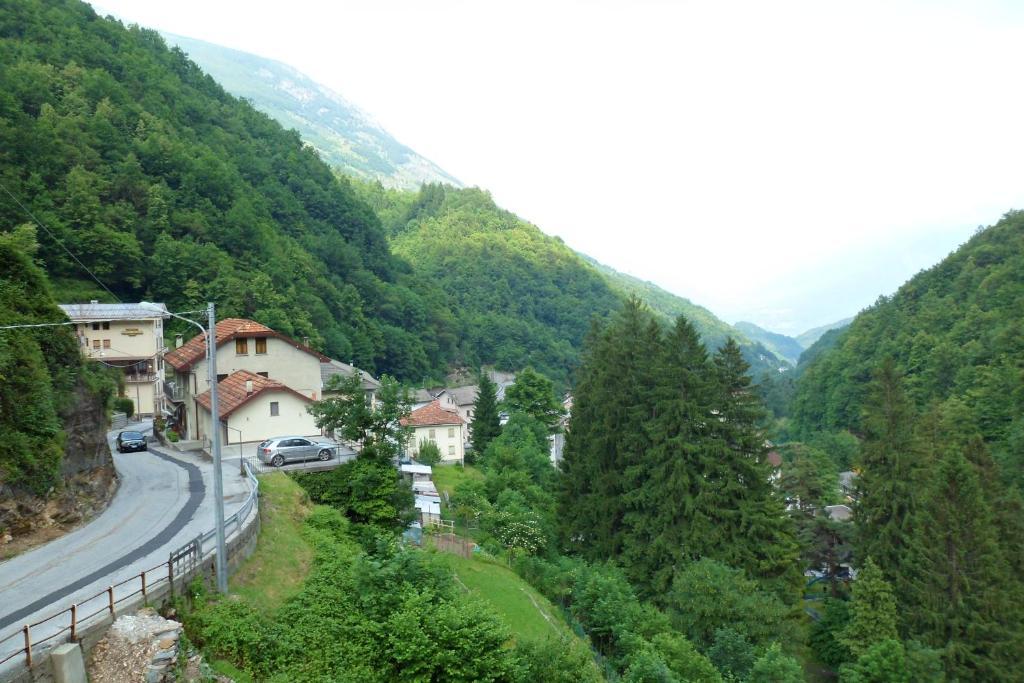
x,y
956,331
170,189
345,136
785,348
808,338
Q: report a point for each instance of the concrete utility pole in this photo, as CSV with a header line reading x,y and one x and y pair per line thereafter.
x,y
218,483
210,334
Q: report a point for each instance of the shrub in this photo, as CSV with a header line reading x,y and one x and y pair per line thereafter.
x,y
429,453
172,436
123,404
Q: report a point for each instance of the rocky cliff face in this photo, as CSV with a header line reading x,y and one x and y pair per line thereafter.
x,y
89,482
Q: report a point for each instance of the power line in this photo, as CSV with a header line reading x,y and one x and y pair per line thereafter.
x,y
79,322
55,239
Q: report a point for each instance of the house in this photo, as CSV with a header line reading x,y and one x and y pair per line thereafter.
x,y
130,337
253,407
839,513
242,345
443,427
334,367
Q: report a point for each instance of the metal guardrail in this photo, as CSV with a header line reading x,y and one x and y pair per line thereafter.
x,y
196,550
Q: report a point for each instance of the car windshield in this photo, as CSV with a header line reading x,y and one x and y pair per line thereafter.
x,y
264,444
131,436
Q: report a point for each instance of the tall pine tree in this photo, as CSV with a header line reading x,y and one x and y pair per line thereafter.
x,y
666,483
962,596
739,517
486,422
890,478
606,437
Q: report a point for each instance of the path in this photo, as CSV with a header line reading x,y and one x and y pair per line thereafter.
x,y
162,502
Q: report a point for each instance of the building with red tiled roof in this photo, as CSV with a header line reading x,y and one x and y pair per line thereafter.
x,y
194,350
253,408
445,428
242,345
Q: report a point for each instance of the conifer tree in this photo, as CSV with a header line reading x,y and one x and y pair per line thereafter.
x,y
888,486
739,517
606,436
486,423
962,597
666,483
873,611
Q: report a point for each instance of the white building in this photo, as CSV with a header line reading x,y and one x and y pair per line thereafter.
x,y
127,336
445,428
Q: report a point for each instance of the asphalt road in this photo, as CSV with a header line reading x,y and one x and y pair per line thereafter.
x,y
162,502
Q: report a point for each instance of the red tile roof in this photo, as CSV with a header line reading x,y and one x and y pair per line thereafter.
x,y
432,414
194,350
231,393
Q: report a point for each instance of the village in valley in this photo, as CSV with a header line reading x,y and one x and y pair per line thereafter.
x,y
266,382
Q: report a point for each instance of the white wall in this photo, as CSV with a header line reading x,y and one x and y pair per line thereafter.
x,y
449,440
282,362
253,421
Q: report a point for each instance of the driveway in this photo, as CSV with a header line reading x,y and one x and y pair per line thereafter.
x,y
163,501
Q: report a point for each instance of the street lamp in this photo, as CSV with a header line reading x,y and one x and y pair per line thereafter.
x,y
220,561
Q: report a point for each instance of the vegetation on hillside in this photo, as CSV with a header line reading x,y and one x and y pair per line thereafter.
x,y
40,371
956,334
170,189
345,137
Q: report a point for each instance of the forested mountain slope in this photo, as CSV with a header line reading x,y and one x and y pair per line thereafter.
x,y
807,339
170,189
521,297
786,348
956,331
344,135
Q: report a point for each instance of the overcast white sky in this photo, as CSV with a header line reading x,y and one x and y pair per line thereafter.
x,y
779,162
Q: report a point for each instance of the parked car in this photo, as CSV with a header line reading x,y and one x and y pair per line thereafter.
x,y
278,450
131,441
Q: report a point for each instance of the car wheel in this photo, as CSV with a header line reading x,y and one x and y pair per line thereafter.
x,y
324,454
277,460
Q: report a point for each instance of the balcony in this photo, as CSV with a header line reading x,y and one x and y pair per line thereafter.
x,y
139,378
174,393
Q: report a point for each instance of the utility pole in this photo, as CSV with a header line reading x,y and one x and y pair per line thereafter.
x,y
218,483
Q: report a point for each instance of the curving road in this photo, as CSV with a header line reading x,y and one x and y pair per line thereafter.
x,y
162,502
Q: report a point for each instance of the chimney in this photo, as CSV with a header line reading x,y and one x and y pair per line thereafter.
x,y
305,341
248,386
178,341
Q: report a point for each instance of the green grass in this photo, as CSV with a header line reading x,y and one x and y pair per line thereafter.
x,y
448,477
276,570
527,612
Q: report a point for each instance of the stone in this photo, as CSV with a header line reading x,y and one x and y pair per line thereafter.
x,y
166,643
68,664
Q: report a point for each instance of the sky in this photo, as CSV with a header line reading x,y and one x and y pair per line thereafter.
x,y
779,162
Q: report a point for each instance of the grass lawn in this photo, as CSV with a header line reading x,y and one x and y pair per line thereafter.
x,y
448,477
527,612
282,558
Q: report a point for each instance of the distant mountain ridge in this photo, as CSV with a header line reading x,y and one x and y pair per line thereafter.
x,y
785,347
344,135
808,338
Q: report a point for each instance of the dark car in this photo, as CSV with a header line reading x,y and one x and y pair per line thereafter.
x,y
131,441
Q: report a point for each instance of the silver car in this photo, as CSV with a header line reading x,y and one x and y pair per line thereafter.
x,y
278,450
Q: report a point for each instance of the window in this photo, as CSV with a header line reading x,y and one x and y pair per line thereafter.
x,y
451,449
263,374
221,378
95,326
242,347
95,343
106,343
451,432
275,409
261,344
106,325
300,442
433,435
